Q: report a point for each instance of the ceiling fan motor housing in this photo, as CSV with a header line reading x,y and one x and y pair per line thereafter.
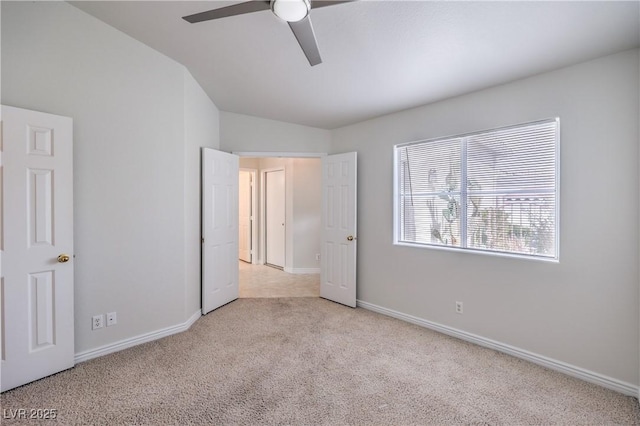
x,y
291,10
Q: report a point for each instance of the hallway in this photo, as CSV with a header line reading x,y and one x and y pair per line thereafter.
x,y
259,281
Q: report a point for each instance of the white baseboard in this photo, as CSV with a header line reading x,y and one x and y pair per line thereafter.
x,y
137,340
571,370
302,270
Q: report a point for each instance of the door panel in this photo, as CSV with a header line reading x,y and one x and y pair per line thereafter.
x,y
219,229
275,217
37,225
338,260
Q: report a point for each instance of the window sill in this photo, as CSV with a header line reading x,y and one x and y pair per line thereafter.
x,y
481,252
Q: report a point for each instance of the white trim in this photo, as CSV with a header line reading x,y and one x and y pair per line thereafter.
x,y
302,270
137,340
474,251
267,154
568,369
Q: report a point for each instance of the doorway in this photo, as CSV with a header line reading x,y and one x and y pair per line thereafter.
x,y
336,226
286,256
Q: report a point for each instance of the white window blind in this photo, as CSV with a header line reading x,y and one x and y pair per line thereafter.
x,y
492,191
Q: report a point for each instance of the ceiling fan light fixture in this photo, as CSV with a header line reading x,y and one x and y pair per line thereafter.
x,y
291,10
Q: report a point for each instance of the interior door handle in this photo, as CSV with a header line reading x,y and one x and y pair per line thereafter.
x,y
351,238
63,258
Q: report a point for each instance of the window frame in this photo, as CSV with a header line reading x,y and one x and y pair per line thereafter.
x,y
397,196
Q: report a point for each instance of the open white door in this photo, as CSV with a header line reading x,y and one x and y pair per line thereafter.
x,y
219,229
37,258
338,260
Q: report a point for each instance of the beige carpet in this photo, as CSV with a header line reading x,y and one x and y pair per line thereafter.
x,y
305,361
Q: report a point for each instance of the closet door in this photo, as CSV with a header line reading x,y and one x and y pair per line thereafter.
x,y
37,246
275,218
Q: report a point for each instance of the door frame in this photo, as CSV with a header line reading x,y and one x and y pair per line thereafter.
x,y
254,205
278,154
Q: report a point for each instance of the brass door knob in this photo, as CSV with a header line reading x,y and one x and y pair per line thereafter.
x,y
350,238
63,258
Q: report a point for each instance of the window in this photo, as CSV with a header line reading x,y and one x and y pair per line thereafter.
x,y
494,191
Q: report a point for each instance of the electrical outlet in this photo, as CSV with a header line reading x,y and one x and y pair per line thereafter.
x,y
317,256
458,307
97,322
112,319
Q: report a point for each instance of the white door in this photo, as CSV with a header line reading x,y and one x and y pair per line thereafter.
x,y
245,190
338,260
275,217
37,257
219,229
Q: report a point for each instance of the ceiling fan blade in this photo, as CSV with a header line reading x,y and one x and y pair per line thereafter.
x,y
322,3
303,30
234,9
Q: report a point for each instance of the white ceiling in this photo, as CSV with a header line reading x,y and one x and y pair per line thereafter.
x,y
378,56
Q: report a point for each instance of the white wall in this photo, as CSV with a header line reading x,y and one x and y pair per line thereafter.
x,y
307,212
249,163
582,310
138,119
244,133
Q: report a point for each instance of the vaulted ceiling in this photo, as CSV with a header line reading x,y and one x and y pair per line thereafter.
x,y
378,56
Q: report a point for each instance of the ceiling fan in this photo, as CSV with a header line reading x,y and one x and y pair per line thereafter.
x,y
294,12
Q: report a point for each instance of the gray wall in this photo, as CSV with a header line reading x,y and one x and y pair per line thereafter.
x,y
583,310
139,119
245,133
201,129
